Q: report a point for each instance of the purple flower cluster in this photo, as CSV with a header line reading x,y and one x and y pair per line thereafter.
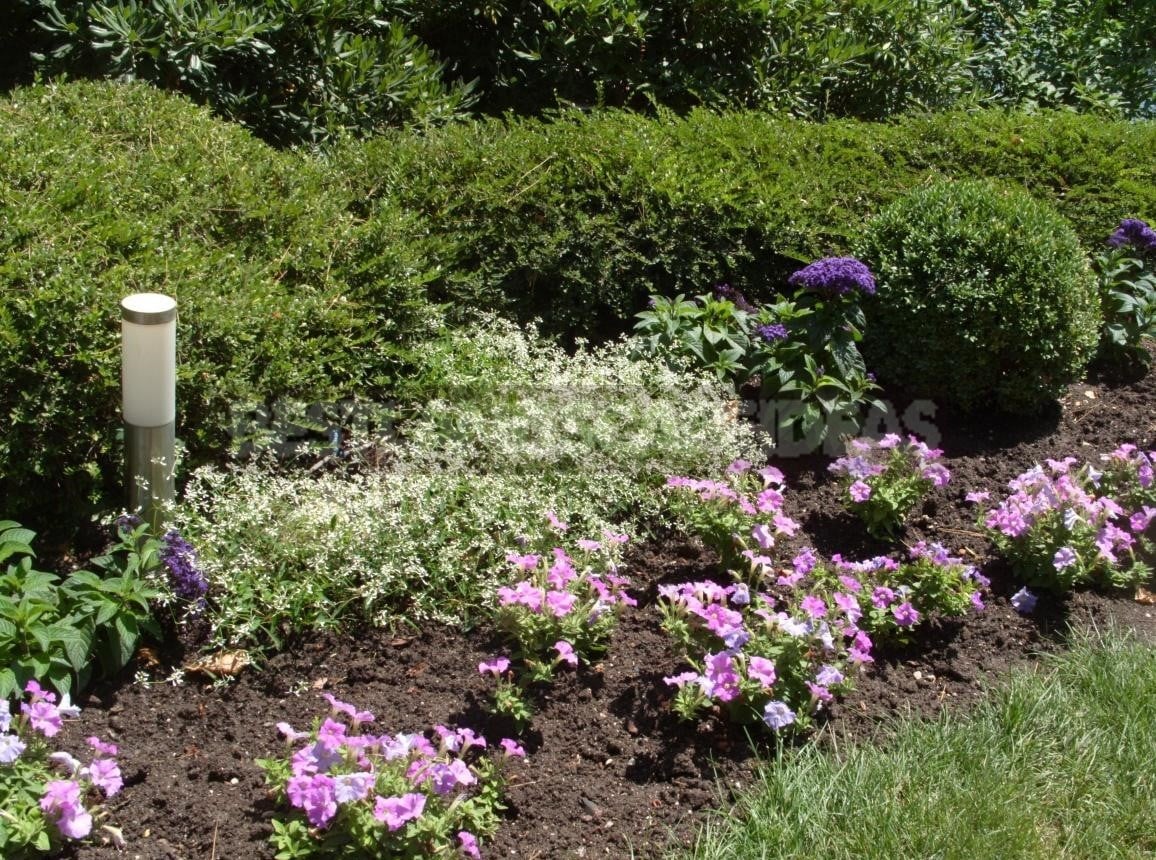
x,y
734,630
187,579
1063,522
342,769
771,332
563,608
725,292
745,511
66,803
835,276
884,479
1135,233
557,588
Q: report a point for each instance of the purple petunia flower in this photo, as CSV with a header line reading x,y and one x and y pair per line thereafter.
x,y
762,670
105,775
905,614
778,715
813,606
512,748
835,276
61,804
11,748
394,812
1023,601
1064,557
566,652
860,491
468,845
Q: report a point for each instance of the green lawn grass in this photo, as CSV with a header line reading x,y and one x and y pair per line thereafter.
x,y
1058,763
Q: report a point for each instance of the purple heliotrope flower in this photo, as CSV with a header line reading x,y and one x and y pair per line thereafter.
x,y
835,276
185,576
771,332
1023,601
725,292
1134,232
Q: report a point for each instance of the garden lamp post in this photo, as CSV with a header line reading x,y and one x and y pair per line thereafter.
x,y
148,385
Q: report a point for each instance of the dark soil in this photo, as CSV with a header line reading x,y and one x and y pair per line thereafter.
x,y
611,772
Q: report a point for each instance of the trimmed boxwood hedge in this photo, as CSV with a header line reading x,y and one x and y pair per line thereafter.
x,y
576,220
108,190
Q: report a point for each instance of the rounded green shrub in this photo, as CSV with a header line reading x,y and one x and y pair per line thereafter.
x,y
984,297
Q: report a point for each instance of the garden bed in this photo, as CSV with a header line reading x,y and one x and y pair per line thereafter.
x,y
610,771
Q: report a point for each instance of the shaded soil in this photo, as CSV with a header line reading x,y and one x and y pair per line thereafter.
x,y
611,772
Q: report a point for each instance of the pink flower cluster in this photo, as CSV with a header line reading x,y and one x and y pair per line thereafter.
x,y
867,459
557,588
1064,522
66,803
740,517
734,631
398,776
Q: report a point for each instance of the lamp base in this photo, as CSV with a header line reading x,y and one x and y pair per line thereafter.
x,y
150,469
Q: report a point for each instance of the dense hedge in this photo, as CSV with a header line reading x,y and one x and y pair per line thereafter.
x,y
107,190
577,220
309,279
303,71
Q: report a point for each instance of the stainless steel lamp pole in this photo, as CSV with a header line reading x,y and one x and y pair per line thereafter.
x,y
148,384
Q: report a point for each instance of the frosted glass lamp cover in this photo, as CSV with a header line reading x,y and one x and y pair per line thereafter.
x,y
149,359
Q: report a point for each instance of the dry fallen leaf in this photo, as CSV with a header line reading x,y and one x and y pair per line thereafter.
x,y
229,663
1143,595
148,657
